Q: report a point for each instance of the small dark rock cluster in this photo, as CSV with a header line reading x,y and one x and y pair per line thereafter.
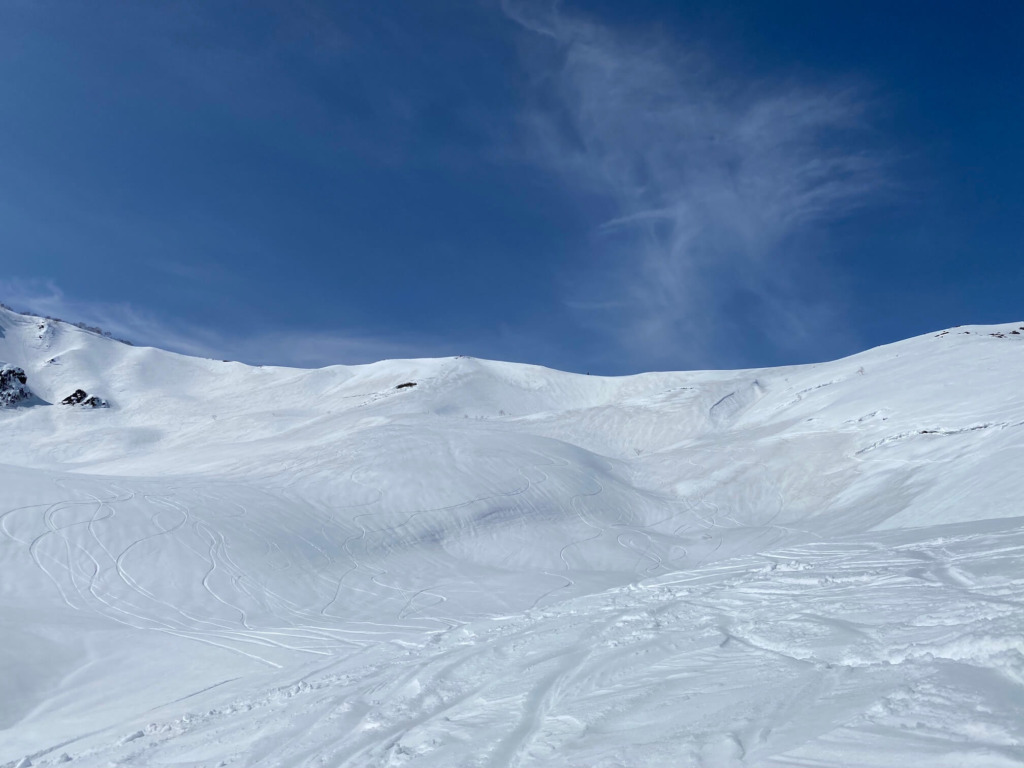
x,y
997,334
1000,335
14,391
82,398
13,386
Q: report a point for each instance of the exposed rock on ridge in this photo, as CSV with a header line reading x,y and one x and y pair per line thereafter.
x,y
13,386
82,398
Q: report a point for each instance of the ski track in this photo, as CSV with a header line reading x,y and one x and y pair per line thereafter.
x,y
727,611
534,685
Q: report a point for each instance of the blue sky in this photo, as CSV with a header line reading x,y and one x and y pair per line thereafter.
x,y
606,186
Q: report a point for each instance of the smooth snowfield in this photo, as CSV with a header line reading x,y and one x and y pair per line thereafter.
x,y
507,565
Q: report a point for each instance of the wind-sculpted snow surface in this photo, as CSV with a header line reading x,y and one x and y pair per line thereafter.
x,y
510,566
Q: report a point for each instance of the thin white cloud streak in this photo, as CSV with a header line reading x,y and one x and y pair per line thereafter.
x,y
711,179
304,348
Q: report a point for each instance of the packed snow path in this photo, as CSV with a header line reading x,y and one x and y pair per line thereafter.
x,y
512,566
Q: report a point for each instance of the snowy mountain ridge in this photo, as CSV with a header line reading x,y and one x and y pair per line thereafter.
x,y
511,565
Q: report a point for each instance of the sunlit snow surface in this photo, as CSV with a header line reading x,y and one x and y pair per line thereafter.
x,y
511,566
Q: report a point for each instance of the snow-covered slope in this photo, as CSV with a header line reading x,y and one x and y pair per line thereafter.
x,y
509,565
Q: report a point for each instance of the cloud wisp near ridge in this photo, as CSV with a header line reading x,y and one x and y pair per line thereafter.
x,y
302,347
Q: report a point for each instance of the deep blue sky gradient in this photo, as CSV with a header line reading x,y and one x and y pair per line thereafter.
x,y
310,183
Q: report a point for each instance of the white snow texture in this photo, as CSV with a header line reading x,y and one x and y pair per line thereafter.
x,y
506,565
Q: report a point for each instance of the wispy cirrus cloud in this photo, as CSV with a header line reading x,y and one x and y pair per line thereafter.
x,y
710,185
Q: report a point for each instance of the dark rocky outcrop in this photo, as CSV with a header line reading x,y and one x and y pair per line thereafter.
x,y
83,399
13,386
